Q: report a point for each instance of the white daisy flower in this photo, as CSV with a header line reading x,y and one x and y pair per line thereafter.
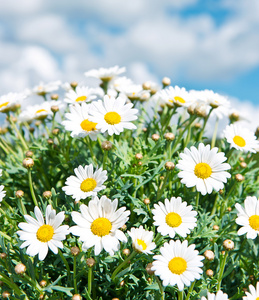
x,y
135,92
178,264
39,236
175,96
44,88
105,74
174,217
77,121
86,183
203,168
98,225
241,138
120,83
254,293
248,217
81,94
113,115
10,101
218,296
37,112
2,193
142,240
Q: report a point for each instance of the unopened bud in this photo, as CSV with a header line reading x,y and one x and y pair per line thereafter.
x,y
124,227
47,194
209,255
169,136
215,227
251,277
169,165
209,273
221,192
138,156
31,129
76,297
197,125
229,209
73,84
148,269
90,262
28,162
166,81
146,201
75,251
155,137
55,131
239,177
20,269
37,123
43,283
42,296
146,85
19,194
162,178
54,96
6,295
29,153
241,158
3,255
228,244
122,283
200,111
106,145
54,108
140,163
50,141
243,165
115,299
126,251
234,117
144,129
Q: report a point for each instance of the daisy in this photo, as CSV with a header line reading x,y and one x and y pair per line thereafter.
x,y
41,236
174,217
248,217
142,240
241,138
36,112
10,101
105,74
178,264
77,121
203,168
175,96
44,88
120,83
98,225
254,293
86,182
79,95
135,92
219,296
113,115
2,193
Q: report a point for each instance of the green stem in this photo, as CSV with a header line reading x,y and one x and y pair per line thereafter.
x,y
160,191
31,188
65,263
180,295
17,290
105,155
74,274
215,205
18,133
22,206
204,124
213,141
197,200
221,271
190,290
123,264
90,280
89,144
5,236
161,289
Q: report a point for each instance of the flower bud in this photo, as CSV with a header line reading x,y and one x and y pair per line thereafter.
x,y
47,194
234,117
200,111
215,227
166,81
148,269
209,273
31,129
126,251
229,209
76,297
37,123
54,96
20,269
106,145
228,244
209,255
115,299
90,262
54,108
138,156
73,84
28,163
6,295
162,178
155,137
169,165
169,136
144,129
243,165
239,177
19,194
122,283
43,283
146,201
50,141
3,255
55,131
42,296
124,227
140,163
197,125
221,192
75,251
1,283
146,85
29,153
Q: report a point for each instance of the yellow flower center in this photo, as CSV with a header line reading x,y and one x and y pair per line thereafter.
x,y
238,140
257,298
88,185
88,125
112,118
4,104
202,170
101,226
81,98
254,222
177,265
179,99
173,219
142,243
45,233
40,110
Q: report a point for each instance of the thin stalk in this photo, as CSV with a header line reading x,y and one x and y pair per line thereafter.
x,y
215,205
204,124
221,271
197,200
31,188
160,191
190,290
17,290
90,280
161,289
18,133
105,155
5,236
120,266
213,141
180,295
65,263
22,206
74,275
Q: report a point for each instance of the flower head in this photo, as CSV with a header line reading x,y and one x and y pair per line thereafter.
x,y
2,192
86,182
174,217
248,217
105,74
241,138
80,95
113,115
98,225
254,293
44,88
178,264
142,240
9,101
203,168
40,236
175,96
218,296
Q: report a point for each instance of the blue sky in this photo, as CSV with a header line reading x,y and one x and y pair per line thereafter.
x,y
211,44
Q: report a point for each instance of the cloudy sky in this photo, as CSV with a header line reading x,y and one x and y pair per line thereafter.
x,y
199,44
